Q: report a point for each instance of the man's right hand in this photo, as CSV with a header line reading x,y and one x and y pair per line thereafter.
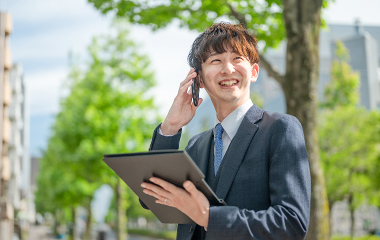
x,y
182,110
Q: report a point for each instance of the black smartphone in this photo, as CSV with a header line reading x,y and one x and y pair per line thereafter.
x,y
195,89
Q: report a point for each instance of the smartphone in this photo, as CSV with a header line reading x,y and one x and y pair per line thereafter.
x,y
195,89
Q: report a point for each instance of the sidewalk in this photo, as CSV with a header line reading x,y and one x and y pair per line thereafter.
x,y
40,232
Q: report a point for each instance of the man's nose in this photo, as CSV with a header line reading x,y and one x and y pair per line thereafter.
x,y
228,68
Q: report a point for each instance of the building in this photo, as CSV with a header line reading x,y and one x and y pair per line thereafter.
x,y
6,208
19,192
362,43
15,193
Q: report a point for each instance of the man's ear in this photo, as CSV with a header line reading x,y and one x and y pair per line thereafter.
x,y
255,72
199,76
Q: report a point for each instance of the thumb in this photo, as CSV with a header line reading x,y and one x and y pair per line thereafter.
x,y
198,196
190,187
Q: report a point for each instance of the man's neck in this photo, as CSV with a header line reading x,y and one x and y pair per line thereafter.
x,y
223,110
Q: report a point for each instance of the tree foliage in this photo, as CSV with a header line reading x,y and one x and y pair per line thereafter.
x,y
107,111
349,138
263,18
349,152
343,90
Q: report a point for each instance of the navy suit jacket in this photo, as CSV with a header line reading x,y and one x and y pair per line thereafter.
x,y
265,179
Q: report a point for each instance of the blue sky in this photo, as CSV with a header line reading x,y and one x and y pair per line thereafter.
x,y
45,31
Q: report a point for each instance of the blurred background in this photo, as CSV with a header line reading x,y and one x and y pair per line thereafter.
x,y
80,79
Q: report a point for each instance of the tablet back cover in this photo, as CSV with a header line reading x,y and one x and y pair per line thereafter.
x,y
173,166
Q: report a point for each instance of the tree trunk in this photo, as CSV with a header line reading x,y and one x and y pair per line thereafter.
x,y
331,205
73,230
352,216
87,233
120,212
56,223
302,22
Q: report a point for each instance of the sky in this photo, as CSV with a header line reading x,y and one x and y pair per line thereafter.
x,y
45,31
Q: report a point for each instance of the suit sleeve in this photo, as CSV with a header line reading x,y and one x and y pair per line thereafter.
x,y
160,142
289,212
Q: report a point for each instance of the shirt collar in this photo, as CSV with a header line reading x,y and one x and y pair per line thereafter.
x,y
232,122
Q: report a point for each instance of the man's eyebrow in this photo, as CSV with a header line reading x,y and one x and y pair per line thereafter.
x,y
213,54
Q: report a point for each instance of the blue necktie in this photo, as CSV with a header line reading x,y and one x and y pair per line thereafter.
x,y
218,147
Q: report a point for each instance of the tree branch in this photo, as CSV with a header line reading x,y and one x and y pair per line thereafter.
x,y
272,72
240,17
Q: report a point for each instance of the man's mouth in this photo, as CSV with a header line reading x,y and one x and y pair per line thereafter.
x,y
228,83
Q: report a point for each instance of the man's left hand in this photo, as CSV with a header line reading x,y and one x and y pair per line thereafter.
x,y
190,200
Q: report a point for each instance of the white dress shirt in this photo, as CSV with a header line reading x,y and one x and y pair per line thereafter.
x,y
231,124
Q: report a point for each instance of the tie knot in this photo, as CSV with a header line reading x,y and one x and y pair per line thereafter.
x,y
219,131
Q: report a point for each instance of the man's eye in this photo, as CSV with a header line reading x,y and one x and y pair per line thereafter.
x,y
215,60
239,58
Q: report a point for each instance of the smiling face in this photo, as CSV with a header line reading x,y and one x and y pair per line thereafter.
x,y
226,56
227,77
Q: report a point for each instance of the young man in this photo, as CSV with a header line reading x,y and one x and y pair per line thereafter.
x,y
255,160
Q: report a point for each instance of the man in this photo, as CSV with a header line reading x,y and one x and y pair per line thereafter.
x,y
255,160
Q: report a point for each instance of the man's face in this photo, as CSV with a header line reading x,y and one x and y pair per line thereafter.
x,y
227,77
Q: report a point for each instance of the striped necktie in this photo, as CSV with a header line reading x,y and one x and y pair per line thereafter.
x,y
218,147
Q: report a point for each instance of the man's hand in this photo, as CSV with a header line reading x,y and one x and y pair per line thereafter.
x,y
190,200
182,109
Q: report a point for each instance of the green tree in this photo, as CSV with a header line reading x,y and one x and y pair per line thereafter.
x,y
54,193
107,111
343,90
348,151
257,98
271,21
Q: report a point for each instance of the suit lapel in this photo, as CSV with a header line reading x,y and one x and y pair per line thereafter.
x,y
237,149
204,150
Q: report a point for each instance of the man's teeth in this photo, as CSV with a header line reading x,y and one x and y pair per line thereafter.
x,y
228,83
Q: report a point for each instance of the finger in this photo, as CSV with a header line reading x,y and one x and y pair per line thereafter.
x,y
167,203
186,82
192,190
153,194
160,197
191,71
155,189
190,187
185,88
192,74
197,195
165,185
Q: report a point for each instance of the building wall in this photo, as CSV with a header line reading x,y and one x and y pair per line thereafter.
x,y
364,59
373,67
16,146
6,208
14,196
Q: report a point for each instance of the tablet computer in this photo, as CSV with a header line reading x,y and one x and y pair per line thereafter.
x,y
173,166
